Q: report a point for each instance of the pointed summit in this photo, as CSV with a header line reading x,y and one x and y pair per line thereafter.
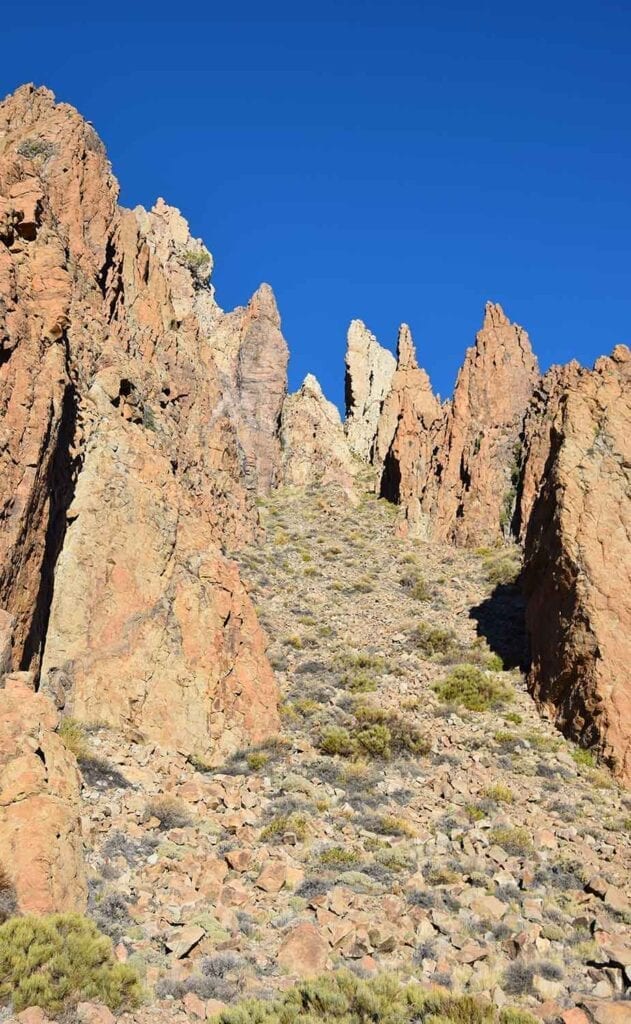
x,y
406,353
369,372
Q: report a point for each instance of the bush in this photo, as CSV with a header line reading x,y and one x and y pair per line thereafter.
x,y
344,997
499,793
472,688
336,740
283,823
516,841
432,640
8,896
72,734
59,960
584,758
170,812
376,740
31,148
338,857
111,916
416,586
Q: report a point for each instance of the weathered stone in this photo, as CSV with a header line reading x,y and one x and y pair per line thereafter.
x,y
314,447
304,951
40,835
578,561
403,443
181,941
369,372
471,487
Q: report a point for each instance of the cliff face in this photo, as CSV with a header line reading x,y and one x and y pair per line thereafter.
x,y
132,446
471,485
578,555
369,372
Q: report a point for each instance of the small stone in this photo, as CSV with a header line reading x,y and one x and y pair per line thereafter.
x,y
272,877
194,1006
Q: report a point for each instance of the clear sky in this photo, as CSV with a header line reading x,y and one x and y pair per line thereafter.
x,y
400,160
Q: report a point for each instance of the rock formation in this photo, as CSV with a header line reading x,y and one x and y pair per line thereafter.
x,y
314,446
472,484
578,555
132,447
369,372
41,848
402,447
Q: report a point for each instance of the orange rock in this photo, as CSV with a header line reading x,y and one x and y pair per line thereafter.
x,y
40,833
304,951
578,563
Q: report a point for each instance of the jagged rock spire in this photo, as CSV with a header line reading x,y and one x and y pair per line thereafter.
x,y
369,372
314,446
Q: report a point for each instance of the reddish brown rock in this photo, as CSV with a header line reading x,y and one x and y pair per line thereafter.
x,y
129,413
304,951
40,837
403,442
471,488
578,563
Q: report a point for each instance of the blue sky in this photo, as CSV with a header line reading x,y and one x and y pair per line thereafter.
x,y
383,160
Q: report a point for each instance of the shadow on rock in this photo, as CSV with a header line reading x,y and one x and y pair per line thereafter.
x,y
501,621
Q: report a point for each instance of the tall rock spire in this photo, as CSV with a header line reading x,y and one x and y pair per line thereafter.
x,y
471,488
369,372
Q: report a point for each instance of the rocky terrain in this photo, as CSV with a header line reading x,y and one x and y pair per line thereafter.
x,y
267,677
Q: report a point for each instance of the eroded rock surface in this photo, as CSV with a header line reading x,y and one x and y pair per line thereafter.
x,y
369,372
138,424
578,559
402,449
471,489
41,846
314,446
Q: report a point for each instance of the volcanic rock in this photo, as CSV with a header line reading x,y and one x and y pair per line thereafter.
x,y
314,447
369,372
578,563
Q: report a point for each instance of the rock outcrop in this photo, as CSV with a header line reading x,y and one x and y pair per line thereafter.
x,y
369,372
41,848
314,446
471,488
138,422
402,447
578,561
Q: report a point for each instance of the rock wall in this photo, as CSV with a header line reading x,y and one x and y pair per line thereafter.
x,y
138,421
578,559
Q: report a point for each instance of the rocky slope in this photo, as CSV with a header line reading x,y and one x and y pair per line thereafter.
x,y
384,792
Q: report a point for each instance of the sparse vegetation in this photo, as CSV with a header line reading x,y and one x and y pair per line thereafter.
x,y
58,960
284,823
32,148
473,688
344,997
170,812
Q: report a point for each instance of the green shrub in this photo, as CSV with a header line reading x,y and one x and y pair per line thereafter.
x,y
375,740
30,148
257,759
359,681
499,793
338,857
384,999
282,823
432,640
502,567
72,734
334,739
584,758
516,841
198,262
59,960
473,689
416,586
